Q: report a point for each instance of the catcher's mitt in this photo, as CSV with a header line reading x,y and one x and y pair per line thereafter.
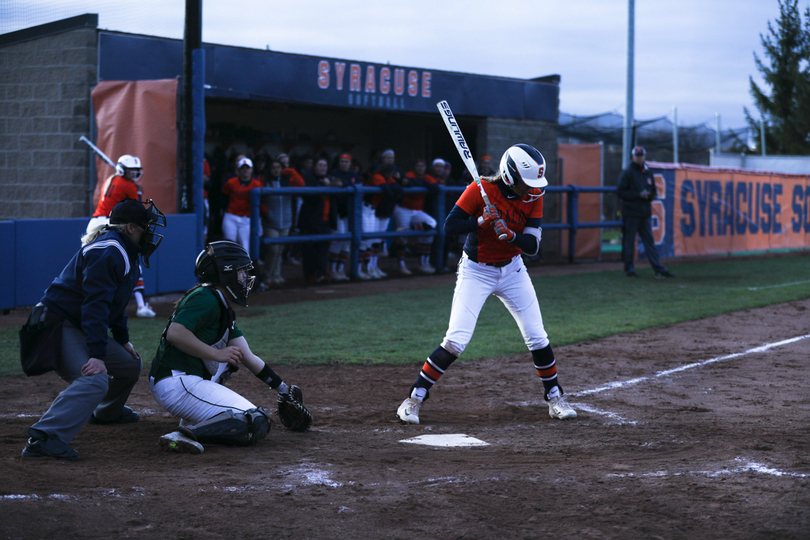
x,y
292,412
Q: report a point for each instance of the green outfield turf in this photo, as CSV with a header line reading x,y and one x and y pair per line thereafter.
x,y
404,327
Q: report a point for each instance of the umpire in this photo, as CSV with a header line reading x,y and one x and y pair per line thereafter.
x,y
85,300
637,191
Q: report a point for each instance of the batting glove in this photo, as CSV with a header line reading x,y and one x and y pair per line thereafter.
x,y
488,217
503,231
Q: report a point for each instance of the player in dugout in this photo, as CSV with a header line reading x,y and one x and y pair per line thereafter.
x,y
497,234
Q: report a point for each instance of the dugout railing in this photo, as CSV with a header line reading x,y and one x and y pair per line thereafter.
x,y
356,234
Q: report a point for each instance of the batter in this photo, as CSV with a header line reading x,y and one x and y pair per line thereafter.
x,y
491,264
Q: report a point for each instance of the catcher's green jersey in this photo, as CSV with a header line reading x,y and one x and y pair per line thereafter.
x,y
202,312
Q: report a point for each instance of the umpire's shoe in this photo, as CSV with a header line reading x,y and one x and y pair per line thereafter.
x,y
128,416
40,445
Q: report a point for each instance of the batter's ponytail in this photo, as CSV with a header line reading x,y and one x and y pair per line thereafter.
x,y
491,179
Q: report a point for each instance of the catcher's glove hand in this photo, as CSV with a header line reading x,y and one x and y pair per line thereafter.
x,y
292,412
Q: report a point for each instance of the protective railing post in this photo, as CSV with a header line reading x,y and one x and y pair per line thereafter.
x,y
573,218
255,223
355,226
439,242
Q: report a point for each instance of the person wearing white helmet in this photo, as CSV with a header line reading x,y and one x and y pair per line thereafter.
x,y
491,264
124,184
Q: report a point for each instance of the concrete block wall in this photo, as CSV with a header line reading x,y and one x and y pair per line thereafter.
x,y
495,135
45,86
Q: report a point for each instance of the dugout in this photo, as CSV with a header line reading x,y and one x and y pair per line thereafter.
x,y
255,101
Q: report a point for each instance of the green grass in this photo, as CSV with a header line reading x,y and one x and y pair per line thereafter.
x,y
404,327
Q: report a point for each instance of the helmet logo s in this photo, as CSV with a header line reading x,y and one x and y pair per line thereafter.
x,y
540,171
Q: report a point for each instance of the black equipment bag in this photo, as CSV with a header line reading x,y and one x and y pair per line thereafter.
x,y
41,341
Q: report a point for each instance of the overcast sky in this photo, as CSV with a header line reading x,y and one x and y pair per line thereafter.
x,y
696,55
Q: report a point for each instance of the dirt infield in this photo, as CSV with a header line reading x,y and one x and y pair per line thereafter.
x,y
695,430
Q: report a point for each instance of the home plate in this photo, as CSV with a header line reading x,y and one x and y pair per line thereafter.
x,y
451,439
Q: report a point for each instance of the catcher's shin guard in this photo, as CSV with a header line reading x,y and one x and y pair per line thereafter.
x,y
231,428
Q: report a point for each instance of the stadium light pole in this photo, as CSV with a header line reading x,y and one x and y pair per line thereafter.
x,y
627,142
675,158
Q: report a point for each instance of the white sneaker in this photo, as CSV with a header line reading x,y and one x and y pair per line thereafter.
x,y
177,442
373,273
408,412
145,311
557,406
427,269
404,269
380,273
340,275
365,276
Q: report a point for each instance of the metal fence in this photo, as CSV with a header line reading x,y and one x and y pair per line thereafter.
x,y
357,235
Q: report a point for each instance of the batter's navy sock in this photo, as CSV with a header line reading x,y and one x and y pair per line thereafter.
x,y
434,367
546,368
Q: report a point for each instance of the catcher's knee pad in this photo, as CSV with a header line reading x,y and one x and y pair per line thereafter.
x,y
232,428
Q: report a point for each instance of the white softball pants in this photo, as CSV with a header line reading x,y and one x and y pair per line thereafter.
x,y
371,223
511,284
237,229
195,399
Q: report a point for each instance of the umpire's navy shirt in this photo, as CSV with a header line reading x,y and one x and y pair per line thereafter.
x,y
93,290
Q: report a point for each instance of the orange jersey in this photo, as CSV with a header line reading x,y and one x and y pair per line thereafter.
x,y
115,190
415,201
515,212
378,180
239,195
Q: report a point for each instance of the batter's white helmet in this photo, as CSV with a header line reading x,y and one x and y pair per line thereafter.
x,y
524,164
127,162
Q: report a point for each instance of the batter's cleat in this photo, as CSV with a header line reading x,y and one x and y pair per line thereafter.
x,y
145,311
557,406
43,446
408,412
177,442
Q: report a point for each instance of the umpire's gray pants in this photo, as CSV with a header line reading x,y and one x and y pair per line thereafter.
x,y
104,394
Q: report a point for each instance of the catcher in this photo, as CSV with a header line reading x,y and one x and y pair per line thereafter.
x,y
200,348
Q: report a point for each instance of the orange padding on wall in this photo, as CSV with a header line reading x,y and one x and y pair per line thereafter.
x,y
140,118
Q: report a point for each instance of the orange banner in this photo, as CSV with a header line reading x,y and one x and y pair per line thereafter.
x,y
140,118
731,211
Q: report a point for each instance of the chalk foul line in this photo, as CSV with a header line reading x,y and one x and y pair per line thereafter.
x,y
631,382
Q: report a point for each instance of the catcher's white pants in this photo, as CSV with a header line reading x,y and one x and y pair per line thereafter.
x,y
511,284
195,399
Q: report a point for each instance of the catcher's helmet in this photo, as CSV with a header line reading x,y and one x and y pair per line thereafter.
x,y
129,163
524,164
228,264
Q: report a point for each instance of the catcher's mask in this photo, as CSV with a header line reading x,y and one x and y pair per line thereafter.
x,y
145,215
228,264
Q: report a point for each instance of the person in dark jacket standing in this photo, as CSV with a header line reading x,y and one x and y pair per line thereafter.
x,y
90,296
637,191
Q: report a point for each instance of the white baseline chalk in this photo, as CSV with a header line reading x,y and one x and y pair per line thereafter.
x,y
631,382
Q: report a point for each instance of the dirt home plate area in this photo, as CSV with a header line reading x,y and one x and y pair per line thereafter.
x,y
694,430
